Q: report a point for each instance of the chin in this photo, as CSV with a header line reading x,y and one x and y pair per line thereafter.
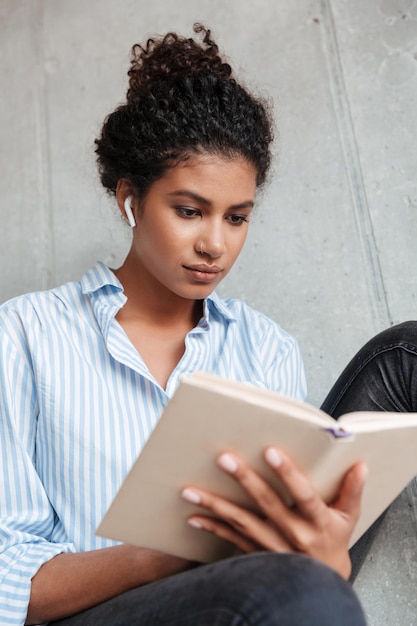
x,y
198,293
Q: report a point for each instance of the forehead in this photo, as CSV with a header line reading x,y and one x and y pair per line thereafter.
x,y
210,176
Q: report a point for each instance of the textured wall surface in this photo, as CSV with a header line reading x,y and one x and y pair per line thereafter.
x,y
332,252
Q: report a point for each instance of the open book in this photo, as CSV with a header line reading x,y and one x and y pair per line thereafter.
x,y
208,415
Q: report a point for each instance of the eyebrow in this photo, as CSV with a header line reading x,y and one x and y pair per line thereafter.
x,y
249,204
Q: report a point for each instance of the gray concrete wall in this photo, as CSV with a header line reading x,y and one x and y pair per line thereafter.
x,y
332,252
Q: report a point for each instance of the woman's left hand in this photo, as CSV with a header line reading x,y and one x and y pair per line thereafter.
x,y
310,527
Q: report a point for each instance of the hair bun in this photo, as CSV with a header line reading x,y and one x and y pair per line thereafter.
x,y
172,55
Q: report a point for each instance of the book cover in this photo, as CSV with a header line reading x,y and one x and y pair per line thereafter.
x,y
208,415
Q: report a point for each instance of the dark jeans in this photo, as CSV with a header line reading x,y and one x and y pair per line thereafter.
x,y
381,377
266,589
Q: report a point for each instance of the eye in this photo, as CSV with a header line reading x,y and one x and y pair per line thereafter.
x,y
186,212
237,220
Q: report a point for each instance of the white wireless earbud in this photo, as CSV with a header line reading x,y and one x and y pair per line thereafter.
x,y
129,212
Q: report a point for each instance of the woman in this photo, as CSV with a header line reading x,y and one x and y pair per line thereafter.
x,y
87,369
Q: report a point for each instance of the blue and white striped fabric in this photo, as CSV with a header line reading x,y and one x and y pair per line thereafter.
x,y
77,405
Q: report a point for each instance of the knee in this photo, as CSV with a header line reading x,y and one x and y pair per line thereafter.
x,y
289,589
400,335
321,596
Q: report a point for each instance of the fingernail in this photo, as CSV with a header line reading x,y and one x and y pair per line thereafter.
x,y
227,462
365,472
191,496
194,523
273,457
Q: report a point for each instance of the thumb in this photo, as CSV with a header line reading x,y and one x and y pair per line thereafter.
x,y
350,494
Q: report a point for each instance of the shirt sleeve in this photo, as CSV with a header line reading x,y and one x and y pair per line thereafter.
x,y
26,516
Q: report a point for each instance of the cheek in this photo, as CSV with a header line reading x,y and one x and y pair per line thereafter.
x,y
169,247
181,239
239,242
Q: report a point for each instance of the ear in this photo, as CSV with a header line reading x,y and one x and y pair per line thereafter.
x,y
125,201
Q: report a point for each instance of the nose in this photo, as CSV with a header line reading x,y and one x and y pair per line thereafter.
x,y
212,241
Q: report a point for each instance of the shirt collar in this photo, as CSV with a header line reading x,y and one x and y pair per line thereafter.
x,y
214,301
99,276
105,292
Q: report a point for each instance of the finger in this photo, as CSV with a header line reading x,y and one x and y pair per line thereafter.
x,y
242,521
223,531
267,499
282,522
306,498
350,495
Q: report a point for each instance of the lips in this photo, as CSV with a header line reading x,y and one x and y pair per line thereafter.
x,y
202,272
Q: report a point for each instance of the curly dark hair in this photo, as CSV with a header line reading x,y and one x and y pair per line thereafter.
x,y
182,100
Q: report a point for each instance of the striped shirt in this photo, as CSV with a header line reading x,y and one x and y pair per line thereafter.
x,y
78,403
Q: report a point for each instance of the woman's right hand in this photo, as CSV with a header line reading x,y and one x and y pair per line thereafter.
x,y
310,527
